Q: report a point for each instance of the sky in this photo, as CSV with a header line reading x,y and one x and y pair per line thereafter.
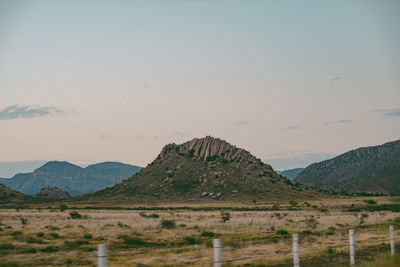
x,y
293,82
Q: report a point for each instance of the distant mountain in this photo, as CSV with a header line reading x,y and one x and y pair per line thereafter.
x,y
292,173
72,178
374,169
52,192
7,195
203,169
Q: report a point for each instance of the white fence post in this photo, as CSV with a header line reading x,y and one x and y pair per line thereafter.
x,y
352,251
101,255
296,260
391,233
217,252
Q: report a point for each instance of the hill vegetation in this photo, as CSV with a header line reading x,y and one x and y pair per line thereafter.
x,y
204,169
374,170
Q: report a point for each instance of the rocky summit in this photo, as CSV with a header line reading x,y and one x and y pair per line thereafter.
x,y
52,192
204,169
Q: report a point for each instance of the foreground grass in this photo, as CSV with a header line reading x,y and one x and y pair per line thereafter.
x,y
385,260
259,235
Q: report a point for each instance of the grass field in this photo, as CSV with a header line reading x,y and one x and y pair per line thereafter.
x,y
40,236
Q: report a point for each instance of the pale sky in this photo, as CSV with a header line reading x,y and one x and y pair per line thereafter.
x,y
91,81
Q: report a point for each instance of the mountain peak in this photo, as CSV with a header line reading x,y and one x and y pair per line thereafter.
x,y
203,169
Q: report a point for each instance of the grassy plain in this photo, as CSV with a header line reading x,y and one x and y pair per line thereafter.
x,y
256,234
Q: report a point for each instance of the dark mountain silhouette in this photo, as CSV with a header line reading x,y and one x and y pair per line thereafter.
x,y
292,173
203,169
72,178
374,169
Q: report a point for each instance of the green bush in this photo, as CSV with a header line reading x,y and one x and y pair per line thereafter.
x,y
40,234
282,232
207,234
6,246
225,216
63,207
190,240
370,201
168,224
75,215
87,236
54,235
49,248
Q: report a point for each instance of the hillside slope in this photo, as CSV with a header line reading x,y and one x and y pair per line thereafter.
x,y
292,173
7,195
203,169
374,169
72,178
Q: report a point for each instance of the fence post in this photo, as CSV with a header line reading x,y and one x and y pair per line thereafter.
x,y
217,252
101,255
296,260
352,251
391,233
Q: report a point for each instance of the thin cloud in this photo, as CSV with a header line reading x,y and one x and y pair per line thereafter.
x,y
240,123
334,80
338,122
27,112
292,127
395,112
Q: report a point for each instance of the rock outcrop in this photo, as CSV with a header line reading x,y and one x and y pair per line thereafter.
x,y
204,169
52,192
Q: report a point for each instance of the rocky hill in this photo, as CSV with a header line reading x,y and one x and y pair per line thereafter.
x,y
374,169
203,169
52,192
7,195
72,178
292,173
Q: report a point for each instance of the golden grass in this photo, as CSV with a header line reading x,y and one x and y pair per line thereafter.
x,y
249,237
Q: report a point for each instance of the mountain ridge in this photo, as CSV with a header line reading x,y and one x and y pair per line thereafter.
x,y
71,178
372,169
203,169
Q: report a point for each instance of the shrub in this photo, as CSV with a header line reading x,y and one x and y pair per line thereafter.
x,y
31,239
6,246
40,234
370,201
54,235
168,224
275,207
225,216
23,220
292,203
49,248
75,244
75,215
282,232
63,207
311,222
331,230
133,241
182,225
190,240
87,236
207,234
51,227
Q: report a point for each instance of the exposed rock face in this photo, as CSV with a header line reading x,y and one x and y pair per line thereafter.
x,y
204,169
373,169
52,192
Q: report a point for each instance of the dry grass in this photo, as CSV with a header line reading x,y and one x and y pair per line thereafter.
x,y
250,237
